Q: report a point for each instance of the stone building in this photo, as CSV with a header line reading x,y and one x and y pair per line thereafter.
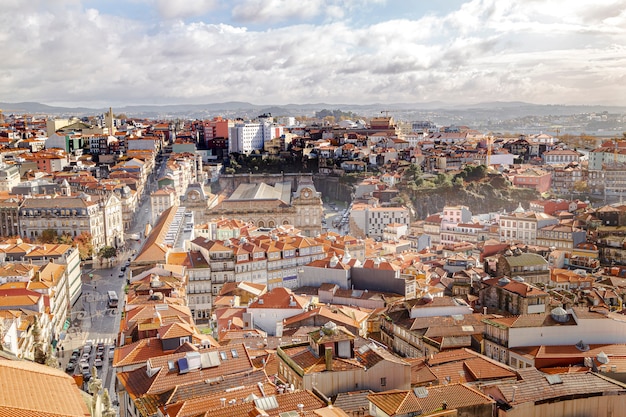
x,y
73,215
270,206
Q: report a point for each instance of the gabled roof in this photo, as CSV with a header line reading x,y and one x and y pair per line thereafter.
x,y
30,389
280,297
398,402
536,386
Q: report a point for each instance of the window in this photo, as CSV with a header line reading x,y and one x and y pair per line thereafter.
x,y
223,356
234,353
383,381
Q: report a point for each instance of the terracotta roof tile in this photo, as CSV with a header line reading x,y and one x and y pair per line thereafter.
x,y
534,386
23,384
286,402
404,402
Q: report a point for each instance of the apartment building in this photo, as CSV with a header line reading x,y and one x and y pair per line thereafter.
x,y
522,226
330,363
531,267
560,156
73,215
561,236
9,177
557,327
161,200
248,137
371,220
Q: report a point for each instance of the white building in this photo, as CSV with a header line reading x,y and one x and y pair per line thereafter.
x,y
248,137
521,226
557,328
270,309
161,200
371,221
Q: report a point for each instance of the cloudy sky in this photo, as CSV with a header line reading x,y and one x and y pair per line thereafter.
x,y
117,52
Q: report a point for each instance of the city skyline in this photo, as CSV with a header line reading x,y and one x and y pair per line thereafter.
x,y
98,53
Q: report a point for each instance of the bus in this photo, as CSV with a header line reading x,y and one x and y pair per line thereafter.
x,y
112,299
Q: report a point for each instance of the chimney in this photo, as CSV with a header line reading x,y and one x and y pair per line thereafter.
x,y
485,310
300,408
223,401
514,390
328,356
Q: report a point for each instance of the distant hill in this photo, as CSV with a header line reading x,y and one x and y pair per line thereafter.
x,y
406,111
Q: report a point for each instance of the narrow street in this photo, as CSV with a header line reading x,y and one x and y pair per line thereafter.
x,y
91,319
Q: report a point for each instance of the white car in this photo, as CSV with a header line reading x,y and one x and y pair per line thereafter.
x,y
97,362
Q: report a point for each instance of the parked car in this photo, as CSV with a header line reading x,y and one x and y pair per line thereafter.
x,y
97,362
88,346
121,274
85,357
75,355
70,367
111,352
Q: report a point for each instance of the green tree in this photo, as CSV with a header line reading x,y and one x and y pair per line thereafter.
x,y
107,252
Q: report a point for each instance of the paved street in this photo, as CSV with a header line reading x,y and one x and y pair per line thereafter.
x,y
91,319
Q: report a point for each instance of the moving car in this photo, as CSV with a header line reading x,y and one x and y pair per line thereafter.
x,y
97,362
70,367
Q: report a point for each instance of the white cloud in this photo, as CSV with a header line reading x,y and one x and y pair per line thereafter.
x,y
272,11
485,50
181,9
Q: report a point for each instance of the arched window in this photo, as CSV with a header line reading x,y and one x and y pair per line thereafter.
x,y
271,223
261,223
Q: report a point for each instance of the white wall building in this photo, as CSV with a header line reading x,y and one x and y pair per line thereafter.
x,y
248,137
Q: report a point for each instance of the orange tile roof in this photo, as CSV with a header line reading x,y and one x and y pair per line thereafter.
x,y
23,384
310,363
286,402
456,396
280,297
534,386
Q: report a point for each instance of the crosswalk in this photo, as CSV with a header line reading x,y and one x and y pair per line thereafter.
x,y
106,340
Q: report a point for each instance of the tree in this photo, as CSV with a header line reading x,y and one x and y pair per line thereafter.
x,y
65,239
85,247
107,252
49,236
581,187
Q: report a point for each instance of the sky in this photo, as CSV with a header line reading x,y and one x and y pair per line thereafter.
x,y
124,52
